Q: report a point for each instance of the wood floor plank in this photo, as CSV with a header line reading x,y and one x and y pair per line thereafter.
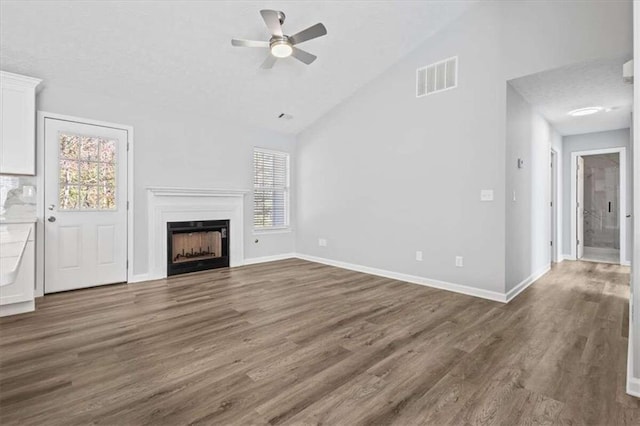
x,y
295,342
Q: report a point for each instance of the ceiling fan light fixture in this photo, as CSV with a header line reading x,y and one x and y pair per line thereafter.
x,y
585,111
281,49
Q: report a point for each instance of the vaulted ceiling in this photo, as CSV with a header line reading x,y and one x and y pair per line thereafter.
x,y
179,53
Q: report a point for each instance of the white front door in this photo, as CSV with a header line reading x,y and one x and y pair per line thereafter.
x,y
580,208
86,205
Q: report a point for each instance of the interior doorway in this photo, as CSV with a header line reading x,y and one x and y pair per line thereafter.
x,y
598,194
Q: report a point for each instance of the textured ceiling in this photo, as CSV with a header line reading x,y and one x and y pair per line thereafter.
x,y
179,53
596,83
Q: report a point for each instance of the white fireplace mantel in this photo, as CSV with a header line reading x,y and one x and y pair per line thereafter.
x,y
168,191
169,204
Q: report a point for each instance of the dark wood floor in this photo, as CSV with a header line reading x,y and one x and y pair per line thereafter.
x,y
293,342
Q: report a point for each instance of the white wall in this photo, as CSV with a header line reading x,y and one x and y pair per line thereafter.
x,y
385,173
587,142
174,146
528,216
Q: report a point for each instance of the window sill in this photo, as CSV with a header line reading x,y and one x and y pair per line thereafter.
x,y
267,231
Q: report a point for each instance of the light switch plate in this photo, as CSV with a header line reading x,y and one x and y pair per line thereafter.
x,y
486,195
322,242
419,256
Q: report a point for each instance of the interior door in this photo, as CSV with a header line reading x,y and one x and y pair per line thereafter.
x,y
86,205
580,208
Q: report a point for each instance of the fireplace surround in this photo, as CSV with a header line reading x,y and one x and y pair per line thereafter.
x,y
197,246
173,204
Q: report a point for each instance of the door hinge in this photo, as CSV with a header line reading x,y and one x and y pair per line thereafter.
x,y
127,205
551,242
127,263
127,146
551,204
578,242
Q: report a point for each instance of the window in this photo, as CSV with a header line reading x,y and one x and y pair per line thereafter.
x,y
87,178
270,189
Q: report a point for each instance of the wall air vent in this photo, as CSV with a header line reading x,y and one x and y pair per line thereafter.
x,y
437,77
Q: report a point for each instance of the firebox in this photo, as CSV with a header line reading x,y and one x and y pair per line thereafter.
x,y
197,246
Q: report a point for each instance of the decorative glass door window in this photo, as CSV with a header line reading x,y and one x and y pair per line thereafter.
x,y
87,177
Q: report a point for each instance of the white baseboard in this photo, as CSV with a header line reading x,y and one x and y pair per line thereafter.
x,y
443,285
137,278
567,257
263,259
633,386
527,282
633,383
17,308
625,263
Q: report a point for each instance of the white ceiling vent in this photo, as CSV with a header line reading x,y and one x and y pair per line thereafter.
x,y
437,77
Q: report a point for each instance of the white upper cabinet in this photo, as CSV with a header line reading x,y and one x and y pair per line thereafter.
x,y
18,123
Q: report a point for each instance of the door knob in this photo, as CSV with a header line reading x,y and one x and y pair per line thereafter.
x,y
51,206
51,218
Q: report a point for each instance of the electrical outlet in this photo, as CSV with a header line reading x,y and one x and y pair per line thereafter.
x,y
419,256
322,242
459,262
486,195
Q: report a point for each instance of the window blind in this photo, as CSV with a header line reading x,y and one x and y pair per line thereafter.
x,y
270,189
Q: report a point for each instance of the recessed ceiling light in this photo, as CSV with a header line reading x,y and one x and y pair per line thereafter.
x,y
585,111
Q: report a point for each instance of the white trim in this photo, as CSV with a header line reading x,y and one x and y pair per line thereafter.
x,y
22,80
138,278
511,294
442,285
633,386
275,230
633,383
17,308
40,209
263,259
553,163
622,211
168,191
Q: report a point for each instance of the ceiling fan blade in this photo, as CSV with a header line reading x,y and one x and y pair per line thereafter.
x,y
314,31
269,62
272,19
249,43
303,56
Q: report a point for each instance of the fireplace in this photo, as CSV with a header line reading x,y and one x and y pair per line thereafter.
x,y
197,246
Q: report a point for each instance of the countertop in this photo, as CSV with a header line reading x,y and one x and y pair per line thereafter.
x,y
13,240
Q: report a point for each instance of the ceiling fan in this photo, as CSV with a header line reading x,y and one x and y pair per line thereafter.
x,y
281,45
